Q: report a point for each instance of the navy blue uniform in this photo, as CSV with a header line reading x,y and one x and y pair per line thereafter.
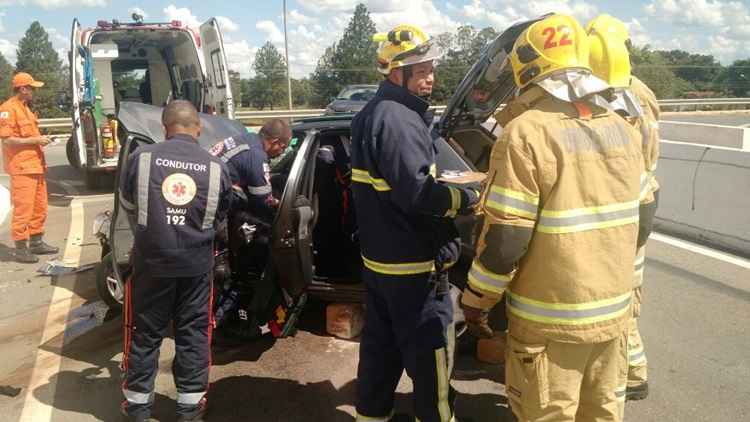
x,y
177,193
401,209
249,169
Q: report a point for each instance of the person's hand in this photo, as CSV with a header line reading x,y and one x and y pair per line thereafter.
x,y
469,201
43,140
477,321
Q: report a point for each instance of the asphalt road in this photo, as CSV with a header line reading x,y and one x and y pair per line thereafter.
x,y
734,118
62,349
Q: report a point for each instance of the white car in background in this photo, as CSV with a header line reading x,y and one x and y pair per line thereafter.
x,y
150,63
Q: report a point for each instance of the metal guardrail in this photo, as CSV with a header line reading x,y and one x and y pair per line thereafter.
x,y
302,113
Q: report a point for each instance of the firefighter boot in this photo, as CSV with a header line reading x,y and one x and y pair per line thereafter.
x,y
23,254
38,247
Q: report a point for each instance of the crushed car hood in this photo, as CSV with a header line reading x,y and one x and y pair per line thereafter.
x,y
145,120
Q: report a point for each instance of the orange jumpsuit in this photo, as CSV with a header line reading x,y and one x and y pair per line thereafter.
x,y
26,166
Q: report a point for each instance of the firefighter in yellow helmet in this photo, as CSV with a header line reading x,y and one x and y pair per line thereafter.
x,y
560,232
631,98
407,236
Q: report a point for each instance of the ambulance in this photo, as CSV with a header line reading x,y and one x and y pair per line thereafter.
x,y
149,63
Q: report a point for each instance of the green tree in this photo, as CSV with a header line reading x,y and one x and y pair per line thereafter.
x,y
324,82
268,87
351,60
736,79
462,50
302,90
235,82
698,69
653,70
37,57
6,74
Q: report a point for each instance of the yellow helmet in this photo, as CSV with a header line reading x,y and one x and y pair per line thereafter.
x,y
555,43
404,45
608,53
605,23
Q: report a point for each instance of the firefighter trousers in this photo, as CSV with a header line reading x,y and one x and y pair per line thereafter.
x,y
549,381
151,303
637,364
28,194
407,327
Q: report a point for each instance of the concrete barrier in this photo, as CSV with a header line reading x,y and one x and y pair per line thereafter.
x,y
705,195
698,133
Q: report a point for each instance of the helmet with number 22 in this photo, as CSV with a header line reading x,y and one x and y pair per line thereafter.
x,y
555,43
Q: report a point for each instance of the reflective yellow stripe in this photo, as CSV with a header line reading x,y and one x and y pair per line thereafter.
x,y
620,393
569,313
484,279
400,268
362,418
590,218
513,202
363,176
455,202
443,387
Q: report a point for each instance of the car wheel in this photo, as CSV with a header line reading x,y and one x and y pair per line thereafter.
x,y
71,151
110,290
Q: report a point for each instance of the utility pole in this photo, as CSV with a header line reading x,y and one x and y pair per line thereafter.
x,y
286,53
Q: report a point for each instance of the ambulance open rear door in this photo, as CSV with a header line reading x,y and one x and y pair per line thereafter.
x,y
218,98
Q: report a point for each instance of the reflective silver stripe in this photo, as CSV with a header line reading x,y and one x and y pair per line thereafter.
x,y
136,397
637,357
144,176
512,202
568,314
644,185
125,203
259,190
588,218
485,279
190,398
620,393
232,152
212,199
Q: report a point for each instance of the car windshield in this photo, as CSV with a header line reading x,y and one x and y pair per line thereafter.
x,y
358,93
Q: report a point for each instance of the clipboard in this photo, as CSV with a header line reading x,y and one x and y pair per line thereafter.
x,y
462,177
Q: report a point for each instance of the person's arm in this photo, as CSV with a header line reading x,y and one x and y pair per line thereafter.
x,y
511,205
7,123
259,191
404,160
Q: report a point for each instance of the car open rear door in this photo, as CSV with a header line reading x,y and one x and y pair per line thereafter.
x,y
77,81
291,241
218,98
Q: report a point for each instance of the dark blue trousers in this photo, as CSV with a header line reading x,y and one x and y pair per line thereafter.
x,y
151,303
406,328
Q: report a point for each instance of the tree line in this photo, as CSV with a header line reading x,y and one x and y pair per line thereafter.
x,y
351,60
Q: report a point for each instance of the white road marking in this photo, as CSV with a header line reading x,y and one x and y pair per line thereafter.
x,y
702,250
47,363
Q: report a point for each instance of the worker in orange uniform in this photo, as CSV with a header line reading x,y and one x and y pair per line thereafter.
x,y
562,213
24,162
610,61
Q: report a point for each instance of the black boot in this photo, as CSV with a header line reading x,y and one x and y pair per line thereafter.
x,y
23,254
38,247
637,392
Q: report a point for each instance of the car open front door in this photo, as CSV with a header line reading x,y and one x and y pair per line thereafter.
x,y
76,57
218,87
291,241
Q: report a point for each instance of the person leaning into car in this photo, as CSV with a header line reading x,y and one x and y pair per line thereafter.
x,y
24,162
398,202
177,193
247,158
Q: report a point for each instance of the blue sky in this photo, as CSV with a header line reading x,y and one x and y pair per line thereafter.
x,y
718,27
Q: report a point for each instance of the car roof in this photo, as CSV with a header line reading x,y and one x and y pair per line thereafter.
x,y
338,121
